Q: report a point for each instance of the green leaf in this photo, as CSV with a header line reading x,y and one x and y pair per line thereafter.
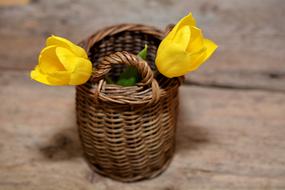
x,y
130,75
143,53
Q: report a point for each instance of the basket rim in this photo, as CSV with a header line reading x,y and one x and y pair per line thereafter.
x,y
104,88
118,28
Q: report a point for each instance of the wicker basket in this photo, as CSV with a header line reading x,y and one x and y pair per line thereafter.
x,y
127,133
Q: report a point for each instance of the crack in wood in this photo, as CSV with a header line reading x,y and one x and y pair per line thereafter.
x,y
230,87
14,183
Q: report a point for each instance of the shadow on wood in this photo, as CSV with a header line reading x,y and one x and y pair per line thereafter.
x,y
191,138
64,145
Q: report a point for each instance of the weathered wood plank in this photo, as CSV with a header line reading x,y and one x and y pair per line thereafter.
x,y
13,2
227,139
250,34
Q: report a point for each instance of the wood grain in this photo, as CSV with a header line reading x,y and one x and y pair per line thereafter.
x,y
13,2
227,139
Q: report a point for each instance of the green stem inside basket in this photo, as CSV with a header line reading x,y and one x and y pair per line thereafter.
x,y
130,75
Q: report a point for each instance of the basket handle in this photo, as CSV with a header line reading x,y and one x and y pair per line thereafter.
x,y
104,67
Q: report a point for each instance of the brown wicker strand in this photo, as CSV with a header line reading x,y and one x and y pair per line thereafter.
x,y
104,67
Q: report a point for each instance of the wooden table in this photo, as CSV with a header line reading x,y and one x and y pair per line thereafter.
x,y
232,116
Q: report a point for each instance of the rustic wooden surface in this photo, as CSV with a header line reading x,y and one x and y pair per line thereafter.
x,y
232,117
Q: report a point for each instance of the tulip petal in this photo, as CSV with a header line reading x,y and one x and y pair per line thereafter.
x,y
199,58
80,69
82,72
170,59
48,61
182,37
59,78
196,40
185,21
66,58
61,42
210,48
196,61
37,75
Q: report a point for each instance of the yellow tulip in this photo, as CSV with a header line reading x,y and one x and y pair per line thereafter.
x,y
62,62
184,49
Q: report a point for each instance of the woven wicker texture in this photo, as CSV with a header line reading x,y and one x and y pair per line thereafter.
x,y
127,133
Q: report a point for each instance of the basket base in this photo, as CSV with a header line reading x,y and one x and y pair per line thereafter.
x,y
136,178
